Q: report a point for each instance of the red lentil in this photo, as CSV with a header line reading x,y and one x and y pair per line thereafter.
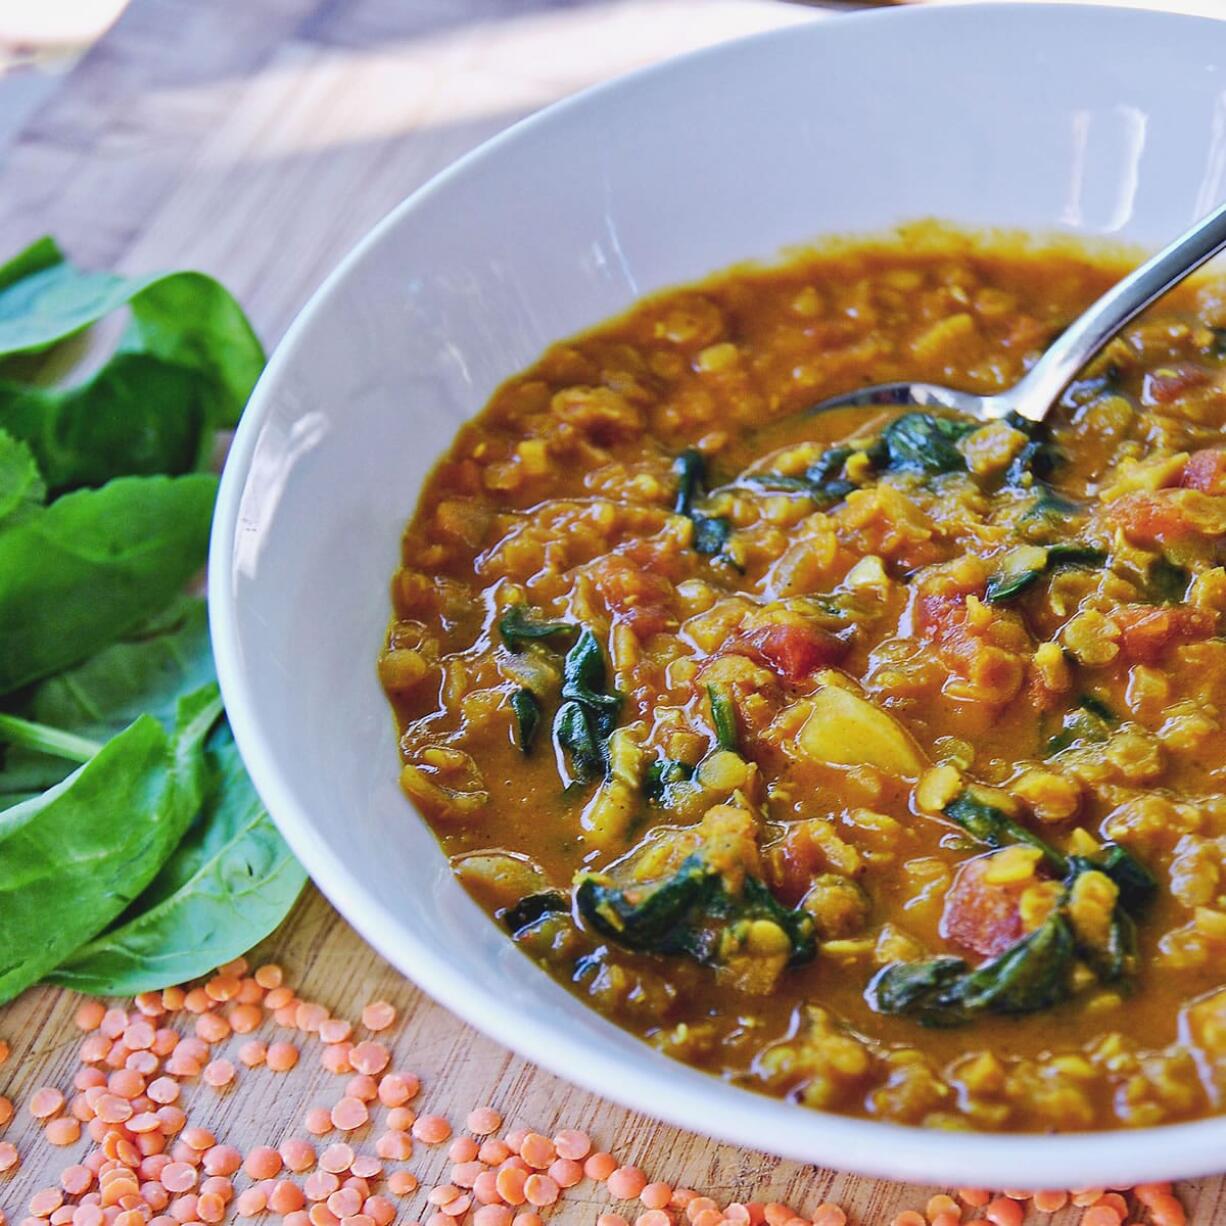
x,y
431,1129
281,1057
46,1102
1003,1212
402,1183
626,1183
540,1190
319,1185
335,1030
66,1131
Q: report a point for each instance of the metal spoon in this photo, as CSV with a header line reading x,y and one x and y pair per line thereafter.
x,y
1041,386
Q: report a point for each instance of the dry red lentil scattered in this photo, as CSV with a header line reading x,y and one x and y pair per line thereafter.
x,y
281,1057
140,1175
378,1015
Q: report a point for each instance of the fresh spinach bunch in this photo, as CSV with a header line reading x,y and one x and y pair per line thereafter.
x,y
122,797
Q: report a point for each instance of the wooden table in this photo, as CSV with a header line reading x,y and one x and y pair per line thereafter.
x,y
258,140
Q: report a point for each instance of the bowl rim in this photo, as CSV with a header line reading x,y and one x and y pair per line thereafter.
x,y
868,1147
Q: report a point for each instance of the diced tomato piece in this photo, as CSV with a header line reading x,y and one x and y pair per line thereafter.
x,y
791,651
793,865
1205,471
640,598
1146,632
1170,382
937,616
1151,519
979,915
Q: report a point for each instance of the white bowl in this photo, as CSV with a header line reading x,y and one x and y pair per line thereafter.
x,y
1092,121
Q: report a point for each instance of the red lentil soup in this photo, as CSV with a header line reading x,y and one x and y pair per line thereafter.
x,y
870,759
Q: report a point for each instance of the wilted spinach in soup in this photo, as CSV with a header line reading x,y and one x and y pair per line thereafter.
x,y
873,759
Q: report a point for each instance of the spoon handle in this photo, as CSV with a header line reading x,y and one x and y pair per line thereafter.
x,y
1080,341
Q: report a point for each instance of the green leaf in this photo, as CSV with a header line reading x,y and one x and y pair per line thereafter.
x,y
574,734
138,415
1166,582
533,908
145,672
584,681
711,532
690,912
1088,723
227,885
184,318
922,443
1014,578
723,716
79,574
662,775
40,254
45,740
1032,975
527,709
518,629
21,484
989,825
184,367
187,319
94,841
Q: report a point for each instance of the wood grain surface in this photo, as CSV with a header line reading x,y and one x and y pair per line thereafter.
x,y
258,140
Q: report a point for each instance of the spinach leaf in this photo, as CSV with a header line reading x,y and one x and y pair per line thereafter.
x,y
226,886
583,681
990,826
577,740
1089,722
723,716
46,741
922,443
828,465
692,913
40,254
518,628
146,672
96,839
76,575
1032,975
778,481
185,319
527,709
1050,509
138,415
1166,582
1137,885
1025,565
711,532
22,488
533,908
1037,459
662,774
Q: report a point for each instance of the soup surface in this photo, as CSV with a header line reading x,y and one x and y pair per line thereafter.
x,y
873,759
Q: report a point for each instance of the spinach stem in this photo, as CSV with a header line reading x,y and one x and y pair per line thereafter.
x,y
44,739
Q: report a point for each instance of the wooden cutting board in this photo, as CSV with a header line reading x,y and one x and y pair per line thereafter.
x,y
258,140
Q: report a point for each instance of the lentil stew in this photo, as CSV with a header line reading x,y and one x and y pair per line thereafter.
x,y
871,759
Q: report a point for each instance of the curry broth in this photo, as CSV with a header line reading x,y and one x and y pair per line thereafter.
x,y
809,599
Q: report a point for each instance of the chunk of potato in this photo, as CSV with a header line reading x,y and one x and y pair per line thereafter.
x,y
847,730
